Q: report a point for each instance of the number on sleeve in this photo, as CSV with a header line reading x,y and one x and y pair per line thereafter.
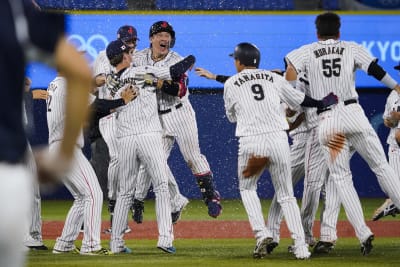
x,y
49,102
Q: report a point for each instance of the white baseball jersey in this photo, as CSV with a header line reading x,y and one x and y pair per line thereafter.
x,y
246,89
140,116
336,62
330,66
143,58
56,110
102,65
179,124
392,103
140,142
252,100
81,180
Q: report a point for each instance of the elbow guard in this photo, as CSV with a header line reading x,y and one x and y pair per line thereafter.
x,y
170,88
376,71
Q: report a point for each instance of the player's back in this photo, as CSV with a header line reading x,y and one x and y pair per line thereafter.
x,y
56,101
331,66
256,98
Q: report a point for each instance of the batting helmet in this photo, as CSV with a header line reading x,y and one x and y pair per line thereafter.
x,y
163,26
248,54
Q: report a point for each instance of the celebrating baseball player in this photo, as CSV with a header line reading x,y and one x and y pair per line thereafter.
x,y
248,96
81,181
391,118
101,71
140,140
179,123
330,65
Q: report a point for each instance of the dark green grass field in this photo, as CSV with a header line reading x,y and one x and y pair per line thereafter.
x,y
219,252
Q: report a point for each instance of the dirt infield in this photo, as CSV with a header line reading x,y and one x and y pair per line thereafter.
x,y
222,229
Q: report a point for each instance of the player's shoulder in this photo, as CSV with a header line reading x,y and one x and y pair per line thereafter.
x,y
57,82
142,53
174,55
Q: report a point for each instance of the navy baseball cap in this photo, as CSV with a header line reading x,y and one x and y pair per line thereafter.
x,y
116,48
397,67
126,33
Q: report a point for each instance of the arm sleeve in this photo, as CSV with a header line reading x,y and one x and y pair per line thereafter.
x,y
101,65
221,78
103,106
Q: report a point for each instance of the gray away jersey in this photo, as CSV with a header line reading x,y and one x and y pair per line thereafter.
x,y
330,66
252,99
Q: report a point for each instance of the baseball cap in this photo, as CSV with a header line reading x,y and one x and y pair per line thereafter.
x,y
126,33
115,48
397,67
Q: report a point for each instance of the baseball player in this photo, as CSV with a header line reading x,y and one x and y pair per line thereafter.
x,y
330,65
140,142
101,70
179,123
248,96
17,44
81,181
33,239
391,118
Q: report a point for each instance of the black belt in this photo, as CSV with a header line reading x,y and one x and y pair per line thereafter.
x,y
170,109
346,102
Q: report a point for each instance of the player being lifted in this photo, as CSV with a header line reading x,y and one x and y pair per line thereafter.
x,y
139,136
179,124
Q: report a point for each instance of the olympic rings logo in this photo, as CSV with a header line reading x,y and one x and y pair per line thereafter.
x,y
92,46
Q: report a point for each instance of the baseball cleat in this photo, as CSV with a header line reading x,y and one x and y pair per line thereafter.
x,y
260,251
367,246
137,209
72,251
175,216
301,252
323,247
126,231
41,247
387,208
271,246
170,250
125,250
102,251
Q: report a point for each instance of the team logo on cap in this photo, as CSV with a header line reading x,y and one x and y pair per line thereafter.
x,y
164,24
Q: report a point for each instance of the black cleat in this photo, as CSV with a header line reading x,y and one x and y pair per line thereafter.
x,y
323,247
137,209
367,246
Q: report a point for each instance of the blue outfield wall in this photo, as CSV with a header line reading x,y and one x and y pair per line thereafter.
x,y
211,36
219,145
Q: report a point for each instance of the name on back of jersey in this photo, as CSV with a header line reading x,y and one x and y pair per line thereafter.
x,y
251,77
328,51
